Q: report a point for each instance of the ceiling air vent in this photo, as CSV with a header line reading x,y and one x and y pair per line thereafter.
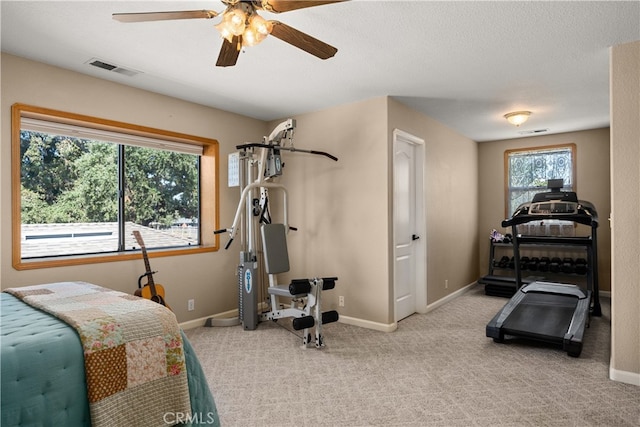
x,y
532,132
113,68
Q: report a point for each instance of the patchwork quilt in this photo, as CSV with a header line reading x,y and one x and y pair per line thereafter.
x,y
134,358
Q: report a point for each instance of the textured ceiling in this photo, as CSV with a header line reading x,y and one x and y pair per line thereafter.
x,y
464,64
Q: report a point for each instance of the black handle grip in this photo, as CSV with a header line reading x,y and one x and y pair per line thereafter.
x,y
222,230
324,153
414,237
228,244
293,228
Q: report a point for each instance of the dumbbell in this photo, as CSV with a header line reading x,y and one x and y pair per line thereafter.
x,y
555,265
581,266
504,262
544,263
533,263
524,263
567,265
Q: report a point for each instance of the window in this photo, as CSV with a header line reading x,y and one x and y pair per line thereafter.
x,y
527,172
82,185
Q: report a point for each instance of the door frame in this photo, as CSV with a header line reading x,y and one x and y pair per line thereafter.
x,y
420,290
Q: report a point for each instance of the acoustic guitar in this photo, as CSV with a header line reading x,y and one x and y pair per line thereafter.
x,y
150,290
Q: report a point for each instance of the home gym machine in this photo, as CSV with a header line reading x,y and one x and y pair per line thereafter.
x,y
547,311
253,169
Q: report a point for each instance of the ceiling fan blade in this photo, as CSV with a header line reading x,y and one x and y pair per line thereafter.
x,y
164,16
278,6
302,41
229,52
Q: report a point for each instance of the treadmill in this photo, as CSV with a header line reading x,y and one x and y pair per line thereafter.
x,y
551,312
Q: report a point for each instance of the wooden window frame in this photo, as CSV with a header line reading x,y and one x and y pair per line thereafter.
x,y
209,194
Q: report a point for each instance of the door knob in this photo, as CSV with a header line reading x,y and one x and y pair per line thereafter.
x,y
414,237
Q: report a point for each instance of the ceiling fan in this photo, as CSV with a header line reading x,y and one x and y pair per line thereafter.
x,y
242,26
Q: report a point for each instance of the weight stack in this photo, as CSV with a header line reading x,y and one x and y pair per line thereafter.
x,y
247,281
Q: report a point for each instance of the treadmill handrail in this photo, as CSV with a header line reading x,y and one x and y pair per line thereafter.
x,y
554,289
586,215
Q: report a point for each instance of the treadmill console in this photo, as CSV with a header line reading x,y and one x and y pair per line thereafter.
x,y
556,201
552,207
565,196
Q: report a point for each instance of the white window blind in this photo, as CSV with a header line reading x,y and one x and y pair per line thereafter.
x,y
82,132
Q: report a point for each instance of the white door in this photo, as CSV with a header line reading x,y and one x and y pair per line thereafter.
x,y
408,225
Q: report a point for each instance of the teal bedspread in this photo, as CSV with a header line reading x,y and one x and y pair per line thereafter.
x,y
42,373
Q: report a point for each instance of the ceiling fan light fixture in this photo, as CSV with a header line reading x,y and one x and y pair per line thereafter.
x,y
257,30
240,21
250,37
224,31
240,25
235,21
260,25
517,118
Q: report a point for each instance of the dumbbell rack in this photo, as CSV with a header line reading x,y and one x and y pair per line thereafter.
x,y
504,285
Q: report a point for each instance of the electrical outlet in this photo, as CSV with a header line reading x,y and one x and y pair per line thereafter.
x,y
191,305
446,283
341,301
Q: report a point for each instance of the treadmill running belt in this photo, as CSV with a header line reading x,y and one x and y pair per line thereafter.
x,y
542,316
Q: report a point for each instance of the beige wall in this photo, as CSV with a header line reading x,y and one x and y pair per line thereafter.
x,y
451,200
345,207
208,278
625,196
341,207
592,155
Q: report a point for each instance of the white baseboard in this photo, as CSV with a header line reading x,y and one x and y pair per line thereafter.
x,y
449,297
632,378
382,327
196,323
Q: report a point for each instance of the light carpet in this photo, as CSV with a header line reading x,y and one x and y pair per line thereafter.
x,y
436,369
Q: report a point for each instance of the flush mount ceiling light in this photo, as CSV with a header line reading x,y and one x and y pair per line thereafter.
x,y
517,117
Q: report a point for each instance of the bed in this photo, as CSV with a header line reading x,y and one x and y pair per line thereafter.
x,y
46,380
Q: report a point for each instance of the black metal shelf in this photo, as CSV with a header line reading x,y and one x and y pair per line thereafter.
x,y
504,284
